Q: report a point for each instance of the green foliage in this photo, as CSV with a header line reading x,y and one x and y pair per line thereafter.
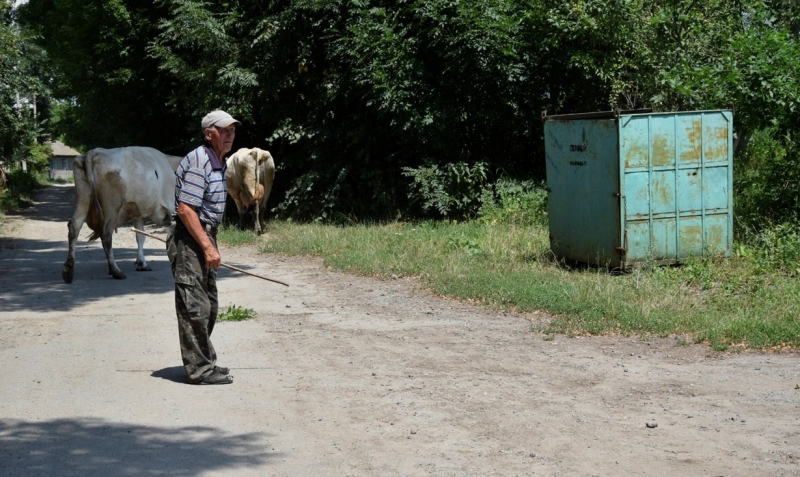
x,y
467,245
237,313
772,249
597,55
452,191
511,201
349,95
37,157
313,196
767,181
753,65
745,56
112,90
20,185
24,94
690,37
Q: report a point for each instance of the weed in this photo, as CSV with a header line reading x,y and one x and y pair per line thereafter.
x,y
237,313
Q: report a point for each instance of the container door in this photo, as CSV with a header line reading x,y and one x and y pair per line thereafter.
x,y
583,183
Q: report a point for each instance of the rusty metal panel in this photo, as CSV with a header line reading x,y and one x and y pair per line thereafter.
x,y
690,129
687,171
670,175
634,148
662,141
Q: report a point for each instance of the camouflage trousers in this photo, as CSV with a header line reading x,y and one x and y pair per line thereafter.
x,y
196,301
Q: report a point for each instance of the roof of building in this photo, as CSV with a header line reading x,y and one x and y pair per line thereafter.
x,y
61,149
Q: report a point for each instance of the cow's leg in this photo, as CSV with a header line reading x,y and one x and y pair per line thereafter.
x,y
256,215
74,228
262,212
108,234
241,209
141,263
82,204
269,179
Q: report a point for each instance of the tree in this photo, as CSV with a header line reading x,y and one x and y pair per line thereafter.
x,y
349,95
352,92
114,93
24,95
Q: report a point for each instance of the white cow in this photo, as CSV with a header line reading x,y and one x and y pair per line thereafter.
x,y
113,186
248,185
2,179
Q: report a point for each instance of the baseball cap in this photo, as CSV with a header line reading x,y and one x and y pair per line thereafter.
x,y
219,118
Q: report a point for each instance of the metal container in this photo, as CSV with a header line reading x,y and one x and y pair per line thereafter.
x,y
627,187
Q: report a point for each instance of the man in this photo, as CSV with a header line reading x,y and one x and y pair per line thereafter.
x,y
200,194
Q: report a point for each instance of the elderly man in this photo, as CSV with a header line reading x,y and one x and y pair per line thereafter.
x,y
200,194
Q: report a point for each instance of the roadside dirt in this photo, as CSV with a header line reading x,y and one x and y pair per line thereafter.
x,y
342,375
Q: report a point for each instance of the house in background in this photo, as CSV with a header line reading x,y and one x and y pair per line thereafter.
x,y
61,160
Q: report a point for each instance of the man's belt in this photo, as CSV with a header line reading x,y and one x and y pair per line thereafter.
x,y
210,229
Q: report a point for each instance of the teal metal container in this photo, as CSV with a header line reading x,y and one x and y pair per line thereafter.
x,y
627,187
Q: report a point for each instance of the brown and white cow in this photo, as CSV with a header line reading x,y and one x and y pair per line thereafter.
x,y
250,175
113,186
2,179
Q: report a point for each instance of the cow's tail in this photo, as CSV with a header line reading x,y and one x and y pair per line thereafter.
x,y
89,159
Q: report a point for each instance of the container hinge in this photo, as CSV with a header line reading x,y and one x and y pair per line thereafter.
x,y
618,195
621,250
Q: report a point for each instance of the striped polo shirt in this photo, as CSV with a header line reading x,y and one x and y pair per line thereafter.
x,y
200,182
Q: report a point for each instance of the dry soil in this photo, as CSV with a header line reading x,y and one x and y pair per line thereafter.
x,y
342,375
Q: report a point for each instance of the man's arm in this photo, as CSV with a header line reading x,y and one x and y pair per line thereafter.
x,y
192,223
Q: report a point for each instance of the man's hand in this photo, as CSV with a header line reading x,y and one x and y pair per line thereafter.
x,y
212,257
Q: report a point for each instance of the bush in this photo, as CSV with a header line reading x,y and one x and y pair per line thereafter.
x,y
453,191
20,185
515,202
773,248
767,181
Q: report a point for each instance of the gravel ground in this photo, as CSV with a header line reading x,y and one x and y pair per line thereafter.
x,y
350,376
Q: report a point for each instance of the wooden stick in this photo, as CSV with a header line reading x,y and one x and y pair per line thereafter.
x,y
221,264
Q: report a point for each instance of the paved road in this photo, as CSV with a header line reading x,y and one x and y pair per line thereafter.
x,y
342,376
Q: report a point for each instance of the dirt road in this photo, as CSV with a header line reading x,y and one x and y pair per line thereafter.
x,y
349,376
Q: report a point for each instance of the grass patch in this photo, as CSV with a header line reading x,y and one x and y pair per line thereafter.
x,y
233,236
743,302
237,313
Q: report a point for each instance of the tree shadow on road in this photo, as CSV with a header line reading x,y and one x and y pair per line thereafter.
x,y
30,274
54,203
30,268
94,447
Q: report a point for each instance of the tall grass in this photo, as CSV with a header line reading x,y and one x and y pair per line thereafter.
x,y
747,301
